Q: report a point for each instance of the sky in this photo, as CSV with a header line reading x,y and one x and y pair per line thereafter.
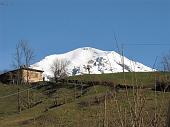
x,y
58,26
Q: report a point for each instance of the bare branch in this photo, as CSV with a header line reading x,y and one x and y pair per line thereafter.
x,y
59,69
27,52
18,56
23,56
166,62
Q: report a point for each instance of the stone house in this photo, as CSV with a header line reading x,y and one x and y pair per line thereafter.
x,y
22,75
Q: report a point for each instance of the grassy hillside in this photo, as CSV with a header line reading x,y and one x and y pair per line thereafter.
x,y
70,105
146,79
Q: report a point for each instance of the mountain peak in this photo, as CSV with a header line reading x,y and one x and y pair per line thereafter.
x,y
87,48
99,62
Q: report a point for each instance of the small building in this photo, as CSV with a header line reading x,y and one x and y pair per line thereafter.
x,y
22,75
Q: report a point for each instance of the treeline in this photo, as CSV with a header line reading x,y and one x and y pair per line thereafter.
x,y
104,83
161,85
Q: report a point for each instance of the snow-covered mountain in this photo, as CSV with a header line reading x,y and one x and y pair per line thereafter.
x,y
97,60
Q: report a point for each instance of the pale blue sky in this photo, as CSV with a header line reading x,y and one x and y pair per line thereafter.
x,y
58,26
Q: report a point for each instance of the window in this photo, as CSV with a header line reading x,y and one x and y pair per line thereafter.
x,y
34,75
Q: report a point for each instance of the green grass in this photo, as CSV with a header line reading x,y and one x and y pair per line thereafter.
x,y
8,104
146,79
71,114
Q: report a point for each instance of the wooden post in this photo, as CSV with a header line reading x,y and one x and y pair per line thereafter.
x,y
75,91
19,101
168,116
33,95
81,88
27,75
105,111
28,98
55,101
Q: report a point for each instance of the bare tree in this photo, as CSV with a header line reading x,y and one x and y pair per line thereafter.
x,y
17,63
28,55
27,52
23,56
166,62
59,69
18,56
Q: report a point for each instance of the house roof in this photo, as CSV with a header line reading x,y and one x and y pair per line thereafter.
x,y
23,68
31,69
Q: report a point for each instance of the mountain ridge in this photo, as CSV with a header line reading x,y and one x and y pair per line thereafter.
x,y
97,60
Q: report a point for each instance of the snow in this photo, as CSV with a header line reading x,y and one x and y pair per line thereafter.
x,y
99,62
